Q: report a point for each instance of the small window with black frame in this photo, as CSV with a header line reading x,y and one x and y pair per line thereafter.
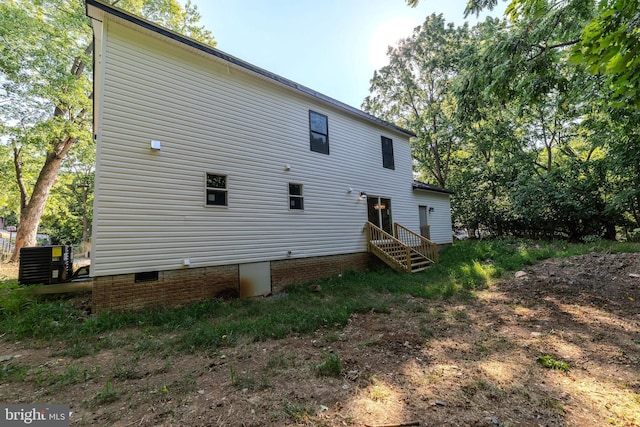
x,y
387,153
319,132
296,199
216,190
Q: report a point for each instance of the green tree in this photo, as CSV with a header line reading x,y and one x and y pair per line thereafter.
x,y
546,102
45,72
67,217
608,43
549,170
414,91
621,128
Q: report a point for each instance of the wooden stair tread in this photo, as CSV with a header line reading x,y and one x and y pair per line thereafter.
x,y
403,257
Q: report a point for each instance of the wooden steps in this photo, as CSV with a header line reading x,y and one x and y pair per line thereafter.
x,y
409,252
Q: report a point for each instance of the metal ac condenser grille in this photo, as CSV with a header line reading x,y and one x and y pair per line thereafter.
x,y
45,265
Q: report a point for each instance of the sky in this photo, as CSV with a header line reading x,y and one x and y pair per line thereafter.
x,y
330,46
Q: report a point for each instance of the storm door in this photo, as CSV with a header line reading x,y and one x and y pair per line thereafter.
x,y
379,212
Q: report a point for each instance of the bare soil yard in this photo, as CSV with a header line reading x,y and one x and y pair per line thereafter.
x,y
557,346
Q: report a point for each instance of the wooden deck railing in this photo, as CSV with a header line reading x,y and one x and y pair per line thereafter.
x,y
389,249
417,242
409,256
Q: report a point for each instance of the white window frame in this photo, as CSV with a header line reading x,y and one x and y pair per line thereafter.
x,y
313,131
392,165
224,190
299,196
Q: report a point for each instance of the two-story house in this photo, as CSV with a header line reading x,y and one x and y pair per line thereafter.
x,y
214,176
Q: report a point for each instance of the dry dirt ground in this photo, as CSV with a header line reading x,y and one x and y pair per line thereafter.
x,y
428,363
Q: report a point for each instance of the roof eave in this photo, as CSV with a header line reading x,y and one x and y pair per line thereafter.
x,y
417,185
122,14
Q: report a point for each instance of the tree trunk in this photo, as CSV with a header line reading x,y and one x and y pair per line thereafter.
x,y
610,231
17,165
31,213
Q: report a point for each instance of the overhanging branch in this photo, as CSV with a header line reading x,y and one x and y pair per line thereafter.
x,y
544,48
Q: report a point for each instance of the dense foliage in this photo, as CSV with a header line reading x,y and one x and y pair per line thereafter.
x,y
531,119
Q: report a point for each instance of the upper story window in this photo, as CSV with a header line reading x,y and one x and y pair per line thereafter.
x,y
387,153
216,190
319,132
296,200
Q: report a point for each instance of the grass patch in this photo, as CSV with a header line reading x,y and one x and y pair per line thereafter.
x,y
464,268
76,349
551,362
483,387
553,404
13,298
71,375
182,386
241,381
104,397
331,366
279,362
149,344
297,412
370,342
127,369
13,372
378,391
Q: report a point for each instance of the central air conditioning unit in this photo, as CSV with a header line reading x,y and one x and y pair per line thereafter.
x,y
46,265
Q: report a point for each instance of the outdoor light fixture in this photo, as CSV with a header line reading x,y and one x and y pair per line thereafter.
x,y
431,209
287,167
363,195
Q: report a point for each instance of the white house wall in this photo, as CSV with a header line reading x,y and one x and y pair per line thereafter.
x,y
439,220
150,211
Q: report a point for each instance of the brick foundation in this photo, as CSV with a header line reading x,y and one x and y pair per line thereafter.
x,y
179,287
173,288
288,272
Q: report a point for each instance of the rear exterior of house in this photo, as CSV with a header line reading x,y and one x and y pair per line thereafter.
x,y
215,177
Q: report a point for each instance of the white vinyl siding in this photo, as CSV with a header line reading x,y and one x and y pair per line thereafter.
x,y
212,118
439,219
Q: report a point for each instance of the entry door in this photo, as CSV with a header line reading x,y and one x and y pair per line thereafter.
x,y
379,212
424,221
